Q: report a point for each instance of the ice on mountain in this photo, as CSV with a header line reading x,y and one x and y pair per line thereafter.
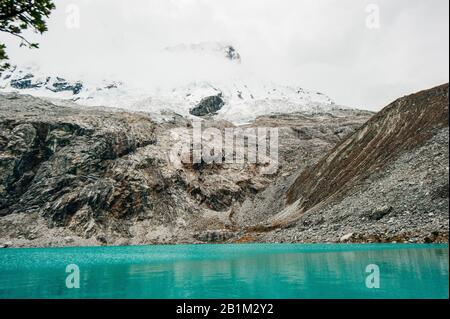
x,y
243,97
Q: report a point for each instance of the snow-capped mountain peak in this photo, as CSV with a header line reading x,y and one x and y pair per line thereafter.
x,y
240,99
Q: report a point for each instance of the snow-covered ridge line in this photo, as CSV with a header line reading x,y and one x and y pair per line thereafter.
x,y
244,100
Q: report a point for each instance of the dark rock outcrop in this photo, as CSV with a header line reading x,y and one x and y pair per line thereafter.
x,y
61,85
26,82
208,106
232,54
56,84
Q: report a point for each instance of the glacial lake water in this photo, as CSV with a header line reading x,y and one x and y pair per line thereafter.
x,y
227,271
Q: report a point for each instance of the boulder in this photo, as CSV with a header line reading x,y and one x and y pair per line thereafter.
x,y
380,212
346,237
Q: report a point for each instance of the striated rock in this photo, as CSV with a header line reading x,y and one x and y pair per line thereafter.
x,y
60,161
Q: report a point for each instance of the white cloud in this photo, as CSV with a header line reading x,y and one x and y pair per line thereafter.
x,y
322,45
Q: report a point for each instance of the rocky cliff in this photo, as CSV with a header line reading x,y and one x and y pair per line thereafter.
x,y
74,175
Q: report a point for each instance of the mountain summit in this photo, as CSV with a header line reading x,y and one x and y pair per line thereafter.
x,y
212,48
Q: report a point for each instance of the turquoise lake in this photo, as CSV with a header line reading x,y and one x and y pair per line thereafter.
x,y
227,271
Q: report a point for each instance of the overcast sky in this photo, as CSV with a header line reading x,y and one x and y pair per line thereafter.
x,y
323,45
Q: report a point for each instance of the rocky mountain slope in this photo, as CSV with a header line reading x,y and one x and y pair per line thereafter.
x,y
73,175
386,182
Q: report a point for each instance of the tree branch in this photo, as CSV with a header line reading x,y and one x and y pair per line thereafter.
x,y
13,14
18,35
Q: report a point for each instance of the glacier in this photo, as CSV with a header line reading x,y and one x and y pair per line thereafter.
x,y
245,97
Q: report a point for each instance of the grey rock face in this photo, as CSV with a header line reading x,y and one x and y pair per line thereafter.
x,y
96,176
102,176
208,106
60,161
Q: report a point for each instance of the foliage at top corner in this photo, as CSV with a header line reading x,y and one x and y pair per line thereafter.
x,y
17,16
